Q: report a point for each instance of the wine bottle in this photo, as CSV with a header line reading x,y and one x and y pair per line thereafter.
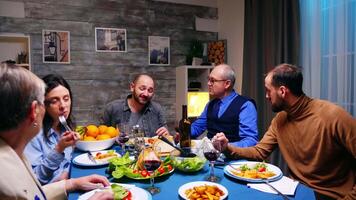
x,y
184,128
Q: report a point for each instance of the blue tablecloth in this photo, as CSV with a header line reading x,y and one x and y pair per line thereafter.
x,y
170,184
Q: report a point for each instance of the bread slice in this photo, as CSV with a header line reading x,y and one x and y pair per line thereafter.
x,y
165,149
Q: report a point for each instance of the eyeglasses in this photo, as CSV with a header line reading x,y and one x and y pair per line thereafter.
x,y
212,81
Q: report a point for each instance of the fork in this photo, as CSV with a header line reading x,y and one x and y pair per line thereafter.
x,y
91,157
63,121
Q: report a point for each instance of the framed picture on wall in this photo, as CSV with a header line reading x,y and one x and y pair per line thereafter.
x,y
110,40
158,50
56,46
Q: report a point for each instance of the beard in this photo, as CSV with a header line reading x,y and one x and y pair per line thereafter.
x,y
279,106
141,100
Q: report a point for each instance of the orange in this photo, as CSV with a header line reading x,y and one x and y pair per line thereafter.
x,y
92,130
89,138
111,131
103,137
102,129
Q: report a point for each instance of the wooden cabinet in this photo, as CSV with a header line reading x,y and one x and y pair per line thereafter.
x,y
191,80
15,47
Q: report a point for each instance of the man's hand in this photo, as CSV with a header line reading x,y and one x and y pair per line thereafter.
x,y
162,131
221,138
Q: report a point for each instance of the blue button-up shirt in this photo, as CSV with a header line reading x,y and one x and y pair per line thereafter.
x,y
247,125
46,162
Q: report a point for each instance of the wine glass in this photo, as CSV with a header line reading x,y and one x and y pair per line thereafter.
x,y
124,136
212,153
152,161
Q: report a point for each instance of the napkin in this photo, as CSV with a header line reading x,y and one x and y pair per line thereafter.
x,y
285,185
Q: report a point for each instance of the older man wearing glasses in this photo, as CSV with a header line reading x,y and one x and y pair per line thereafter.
x,y
228,112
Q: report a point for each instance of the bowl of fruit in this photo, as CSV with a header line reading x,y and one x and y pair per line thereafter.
x,y
96,138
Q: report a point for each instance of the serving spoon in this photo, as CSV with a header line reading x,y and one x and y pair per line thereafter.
x,y
183,153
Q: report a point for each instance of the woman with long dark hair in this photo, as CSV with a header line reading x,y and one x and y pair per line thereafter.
x,y
22,111
50,151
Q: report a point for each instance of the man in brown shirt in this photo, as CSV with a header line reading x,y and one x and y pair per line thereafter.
x,y
316,138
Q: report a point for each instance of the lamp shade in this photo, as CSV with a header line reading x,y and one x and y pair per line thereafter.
x,y
52,48
197,102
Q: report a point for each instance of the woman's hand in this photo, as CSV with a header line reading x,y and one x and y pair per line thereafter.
x,y
67,139
86,183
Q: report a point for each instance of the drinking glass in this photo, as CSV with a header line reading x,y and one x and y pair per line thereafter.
x,y
152,162
139,141
212,153
124,136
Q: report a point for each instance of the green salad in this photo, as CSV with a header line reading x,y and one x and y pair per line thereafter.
x,y
189,164
124,166
120,192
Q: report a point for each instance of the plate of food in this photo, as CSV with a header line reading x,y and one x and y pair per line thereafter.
x,y
253,171
121,191
202,190
95,158
125,166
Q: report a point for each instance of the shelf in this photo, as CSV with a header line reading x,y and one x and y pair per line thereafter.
x,y
12,45
193,76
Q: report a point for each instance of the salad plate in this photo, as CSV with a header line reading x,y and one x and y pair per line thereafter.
x,y
96,158
158,174
125,166
136,192
234,168
191,185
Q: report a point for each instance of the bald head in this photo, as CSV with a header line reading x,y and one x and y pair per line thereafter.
x,y
226,72
142,76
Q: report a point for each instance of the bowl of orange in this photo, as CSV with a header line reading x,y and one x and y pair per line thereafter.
x,y
96,138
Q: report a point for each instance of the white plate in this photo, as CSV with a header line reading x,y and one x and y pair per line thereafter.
x,y
183,188
137,193
83,159
228,171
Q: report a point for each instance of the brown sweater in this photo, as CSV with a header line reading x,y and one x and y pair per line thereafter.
x,y
318,141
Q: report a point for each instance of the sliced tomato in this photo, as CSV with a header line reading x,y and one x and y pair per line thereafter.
x,y
169,167
161,170
128,197
135,171
144,173
262,169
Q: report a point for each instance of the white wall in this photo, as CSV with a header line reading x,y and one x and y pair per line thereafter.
x,y
231,27
12,9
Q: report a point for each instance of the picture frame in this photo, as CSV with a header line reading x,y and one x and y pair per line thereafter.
x,y
110,40
216,51
158,50
56,46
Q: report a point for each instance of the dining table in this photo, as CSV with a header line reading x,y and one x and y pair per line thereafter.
x,y
169,184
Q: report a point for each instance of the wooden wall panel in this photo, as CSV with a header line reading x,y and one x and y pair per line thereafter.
x,y
99,78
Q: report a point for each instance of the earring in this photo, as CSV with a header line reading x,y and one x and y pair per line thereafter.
x,y
35,124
